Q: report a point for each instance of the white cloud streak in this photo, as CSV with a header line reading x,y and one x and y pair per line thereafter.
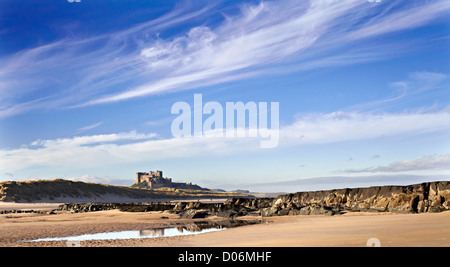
x,y
436,162
87,128
90,140
336,182
417,84
319,128
401,20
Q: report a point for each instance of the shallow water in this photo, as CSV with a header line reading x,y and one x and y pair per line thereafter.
x,y
135,234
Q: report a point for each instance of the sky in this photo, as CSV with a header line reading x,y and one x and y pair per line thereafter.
x,y
363,88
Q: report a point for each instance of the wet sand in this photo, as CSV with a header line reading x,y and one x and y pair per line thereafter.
x,y
50,206
28,206
352,229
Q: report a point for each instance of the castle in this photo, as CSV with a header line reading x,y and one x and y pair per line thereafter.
x,y
156,180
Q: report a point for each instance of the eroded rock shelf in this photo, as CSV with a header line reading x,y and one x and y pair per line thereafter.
x,y
418,198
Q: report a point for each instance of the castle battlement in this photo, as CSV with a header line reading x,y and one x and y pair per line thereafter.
x,y
155,179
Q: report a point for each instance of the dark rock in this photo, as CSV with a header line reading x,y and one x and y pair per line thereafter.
x,y
283,212
194,214
268,212
231,213
425,197
227,213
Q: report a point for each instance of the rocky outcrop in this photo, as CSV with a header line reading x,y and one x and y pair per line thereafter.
x,y
194,214
27,211
419,198
233,207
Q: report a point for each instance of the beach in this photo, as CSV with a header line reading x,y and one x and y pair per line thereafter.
x,y
352,229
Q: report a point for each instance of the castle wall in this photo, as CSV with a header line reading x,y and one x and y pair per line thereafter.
x,y
140,177
147,177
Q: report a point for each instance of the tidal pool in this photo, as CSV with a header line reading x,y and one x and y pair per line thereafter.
x,y
134,234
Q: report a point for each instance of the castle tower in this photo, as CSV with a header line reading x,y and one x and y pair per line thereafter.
x,y
139,178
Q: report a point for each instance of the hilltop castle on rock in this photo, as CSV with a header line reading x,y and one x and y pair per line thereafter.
x,y
156,180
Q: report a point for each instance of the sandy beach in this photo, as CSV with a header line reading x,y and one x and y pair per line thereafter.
x,y
354,230
351,229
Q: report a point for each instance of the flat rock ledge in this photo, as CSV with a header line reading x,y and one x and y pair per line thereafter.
x,y
418,198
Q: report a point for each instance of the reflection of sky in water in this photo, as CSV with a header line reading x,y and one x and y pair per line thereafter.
x,y
150,233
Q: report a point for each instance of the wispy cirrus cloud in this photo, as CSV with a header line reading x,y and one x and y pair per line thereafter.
x,y
87,128
90,140
435,162
72,69
384,22
258,39
417,84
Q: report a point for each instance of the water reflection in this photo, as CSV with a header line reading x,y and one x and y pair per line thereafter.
x,y
136,234
151,233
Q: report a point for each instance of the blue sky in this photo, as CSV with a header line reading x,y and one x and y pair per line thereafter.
x,y
86,90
